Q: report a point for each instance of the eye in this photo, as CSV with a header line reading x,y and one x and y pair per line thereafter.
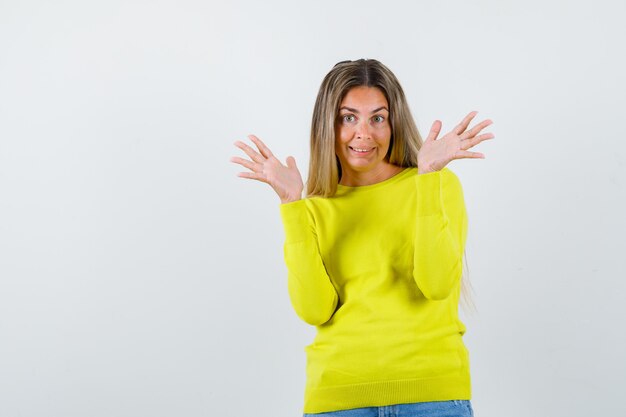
x,y
348,118
379,119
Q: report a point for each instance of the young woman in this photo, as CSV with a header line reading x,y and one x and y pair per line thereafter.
x,y
374,252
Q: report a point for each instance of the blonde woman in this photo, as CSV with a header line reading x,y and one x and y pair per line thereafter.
x,y
374,252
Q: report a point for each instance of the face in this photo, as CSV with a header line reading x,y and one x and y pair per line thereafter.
x,y
363,132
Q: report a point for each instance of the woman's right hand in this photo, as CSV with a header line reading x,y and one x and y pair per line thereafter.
x,y
265,167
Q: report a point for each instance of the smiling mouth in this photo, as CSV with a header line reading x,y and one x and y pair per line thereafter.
x,y
360,150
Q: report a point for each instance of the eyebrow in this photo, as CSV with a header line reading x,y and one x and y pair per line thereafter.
x,y
356,111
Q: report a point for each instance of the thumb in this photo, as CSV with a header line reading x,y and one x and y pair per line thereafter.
x,y
291,162
434,131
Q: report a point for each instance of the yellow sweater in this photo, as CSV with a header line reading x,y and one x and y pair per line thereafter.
x,y
377,270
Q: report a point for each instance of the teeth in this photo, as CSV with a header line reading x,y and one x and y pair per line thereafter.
x,y
360,150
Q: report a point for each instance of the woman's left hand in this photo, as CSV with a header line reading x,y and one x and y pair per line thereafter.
x,y
435,153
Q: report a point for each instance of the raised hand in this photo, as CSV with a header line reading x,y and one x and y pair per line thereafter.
x,y
284,179
437,153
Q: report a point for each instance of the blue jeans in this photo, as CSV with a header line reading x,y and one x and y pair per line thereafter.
x,y
452,408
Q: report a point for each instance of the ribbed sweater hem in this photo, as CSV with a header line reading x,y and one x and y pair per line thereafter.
x,y
378,394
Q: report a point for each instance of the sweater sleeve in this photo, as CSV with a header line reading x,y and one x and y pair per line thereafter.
x,y
441,232
311,292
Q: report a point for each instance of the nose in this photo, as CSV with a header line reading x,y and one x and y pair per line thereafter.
x,y
362,129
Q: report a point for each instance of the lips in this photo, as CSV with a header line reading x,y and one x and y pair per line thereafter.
x,y
360,150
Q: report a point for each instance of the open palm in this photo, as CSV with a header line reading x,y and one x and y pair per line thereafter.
x,y
435,153
284,179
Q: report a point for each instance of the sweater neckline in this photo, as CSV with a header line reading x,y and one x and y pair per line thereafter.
x,y
390,180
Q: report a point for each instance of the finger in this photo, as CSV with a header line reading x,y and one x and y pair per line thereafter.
x,y
464,123
244,162
254,155
291,162
434,131
468,143
484,136
252,176
476,129
468,154
265,151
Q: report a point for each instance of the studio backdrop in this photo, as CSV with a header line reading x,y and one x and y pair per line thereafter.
x,y
139,276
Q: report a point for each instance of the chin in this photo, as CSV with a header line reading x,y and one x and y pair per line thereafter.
x,y
362,166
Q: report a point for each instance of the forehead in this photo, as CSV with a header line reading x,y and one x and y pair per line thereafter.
x,y
364,97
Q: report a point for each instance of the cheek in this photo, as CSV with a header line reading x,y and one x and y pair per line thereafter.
x,y
343,136
384,137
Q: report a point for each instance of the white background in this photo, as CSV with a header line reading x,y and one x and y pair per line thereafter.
x,y
140,277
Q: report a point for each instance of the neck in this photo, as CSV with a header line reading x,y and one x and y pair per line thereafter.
x,y
382,172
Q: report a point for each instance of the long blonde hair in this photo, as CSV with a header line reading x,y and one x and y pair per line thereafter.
x,y
324,167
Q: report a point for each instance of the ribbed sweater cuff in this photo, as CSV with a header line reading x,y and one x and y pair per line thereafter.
x,y
429,193
295,220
